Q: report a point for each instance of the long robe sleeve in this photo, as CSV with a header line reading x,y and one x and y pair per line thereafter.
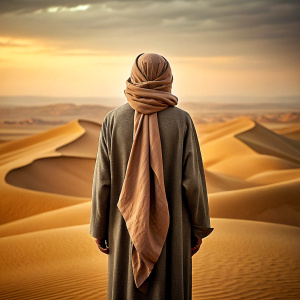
x,y
101,189
194,184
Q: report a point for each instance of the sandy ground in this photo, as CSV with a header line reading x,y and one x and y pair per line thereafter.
x,y
253,179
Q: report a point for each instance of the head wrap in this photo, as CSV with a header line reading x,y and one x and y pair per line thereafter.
x,y
143,202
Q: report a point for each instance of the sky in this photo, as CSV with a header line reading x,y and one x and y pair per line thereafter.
x,y
76,48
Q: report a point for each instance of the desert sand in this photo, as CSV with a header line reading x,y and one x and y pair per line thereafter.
x,y
253,180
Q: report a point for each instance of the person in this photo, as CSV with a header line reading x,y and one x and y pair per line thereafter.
x,y
149,209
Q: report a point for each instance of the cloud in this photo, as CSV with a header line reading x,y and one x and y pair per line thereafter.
x,y
200,28
30,6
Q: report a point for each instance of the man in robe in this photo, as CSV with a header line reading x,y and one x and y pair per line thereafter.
x,y
149,209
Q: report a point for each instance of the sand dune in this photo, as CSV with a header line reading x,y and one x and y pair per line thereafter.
x,y
292,131
269,177
253,181
220,182
16,202
264,176
245,166
221,130
276,203
267,142
45,141
69,174
60,175
65,262
77,214
219,144
79,146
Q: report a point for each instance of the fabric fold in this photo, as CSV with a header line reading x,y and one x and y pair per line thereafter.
x,y
143,202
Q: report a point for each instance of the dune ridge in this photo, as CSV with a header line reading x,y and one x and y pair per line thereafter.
x,y
77,214
252,172
62,173
275,203
292,131
265,141
19,153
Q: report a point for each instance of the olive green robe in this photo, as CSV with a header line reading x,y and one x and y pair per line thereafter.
x,y
186,192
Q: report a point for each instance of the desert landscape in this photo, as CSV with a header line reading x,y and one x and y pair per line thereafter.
x,y
235,69
253,177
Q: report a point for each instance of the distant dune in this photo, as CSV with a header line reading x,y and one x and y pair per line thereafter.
x,y
253,180
19,121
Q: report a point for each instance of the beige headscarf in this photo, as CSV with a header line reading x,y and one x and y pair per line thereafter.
x,y
143,201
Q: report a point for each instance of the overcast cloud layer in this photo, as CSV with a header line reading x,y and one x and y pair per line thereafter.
x,y
193,28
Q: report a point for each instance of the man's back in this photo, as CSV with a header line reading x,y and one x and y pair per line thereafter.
x,y
173,123
171,277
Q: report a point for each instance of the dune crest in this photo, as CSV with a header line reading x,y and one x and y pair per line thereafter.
x,y
252,172
265,141
78,147
17,202
66,175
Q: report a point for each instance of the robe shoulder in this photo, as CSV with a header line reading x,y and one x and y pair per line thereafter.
x,y
122,111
